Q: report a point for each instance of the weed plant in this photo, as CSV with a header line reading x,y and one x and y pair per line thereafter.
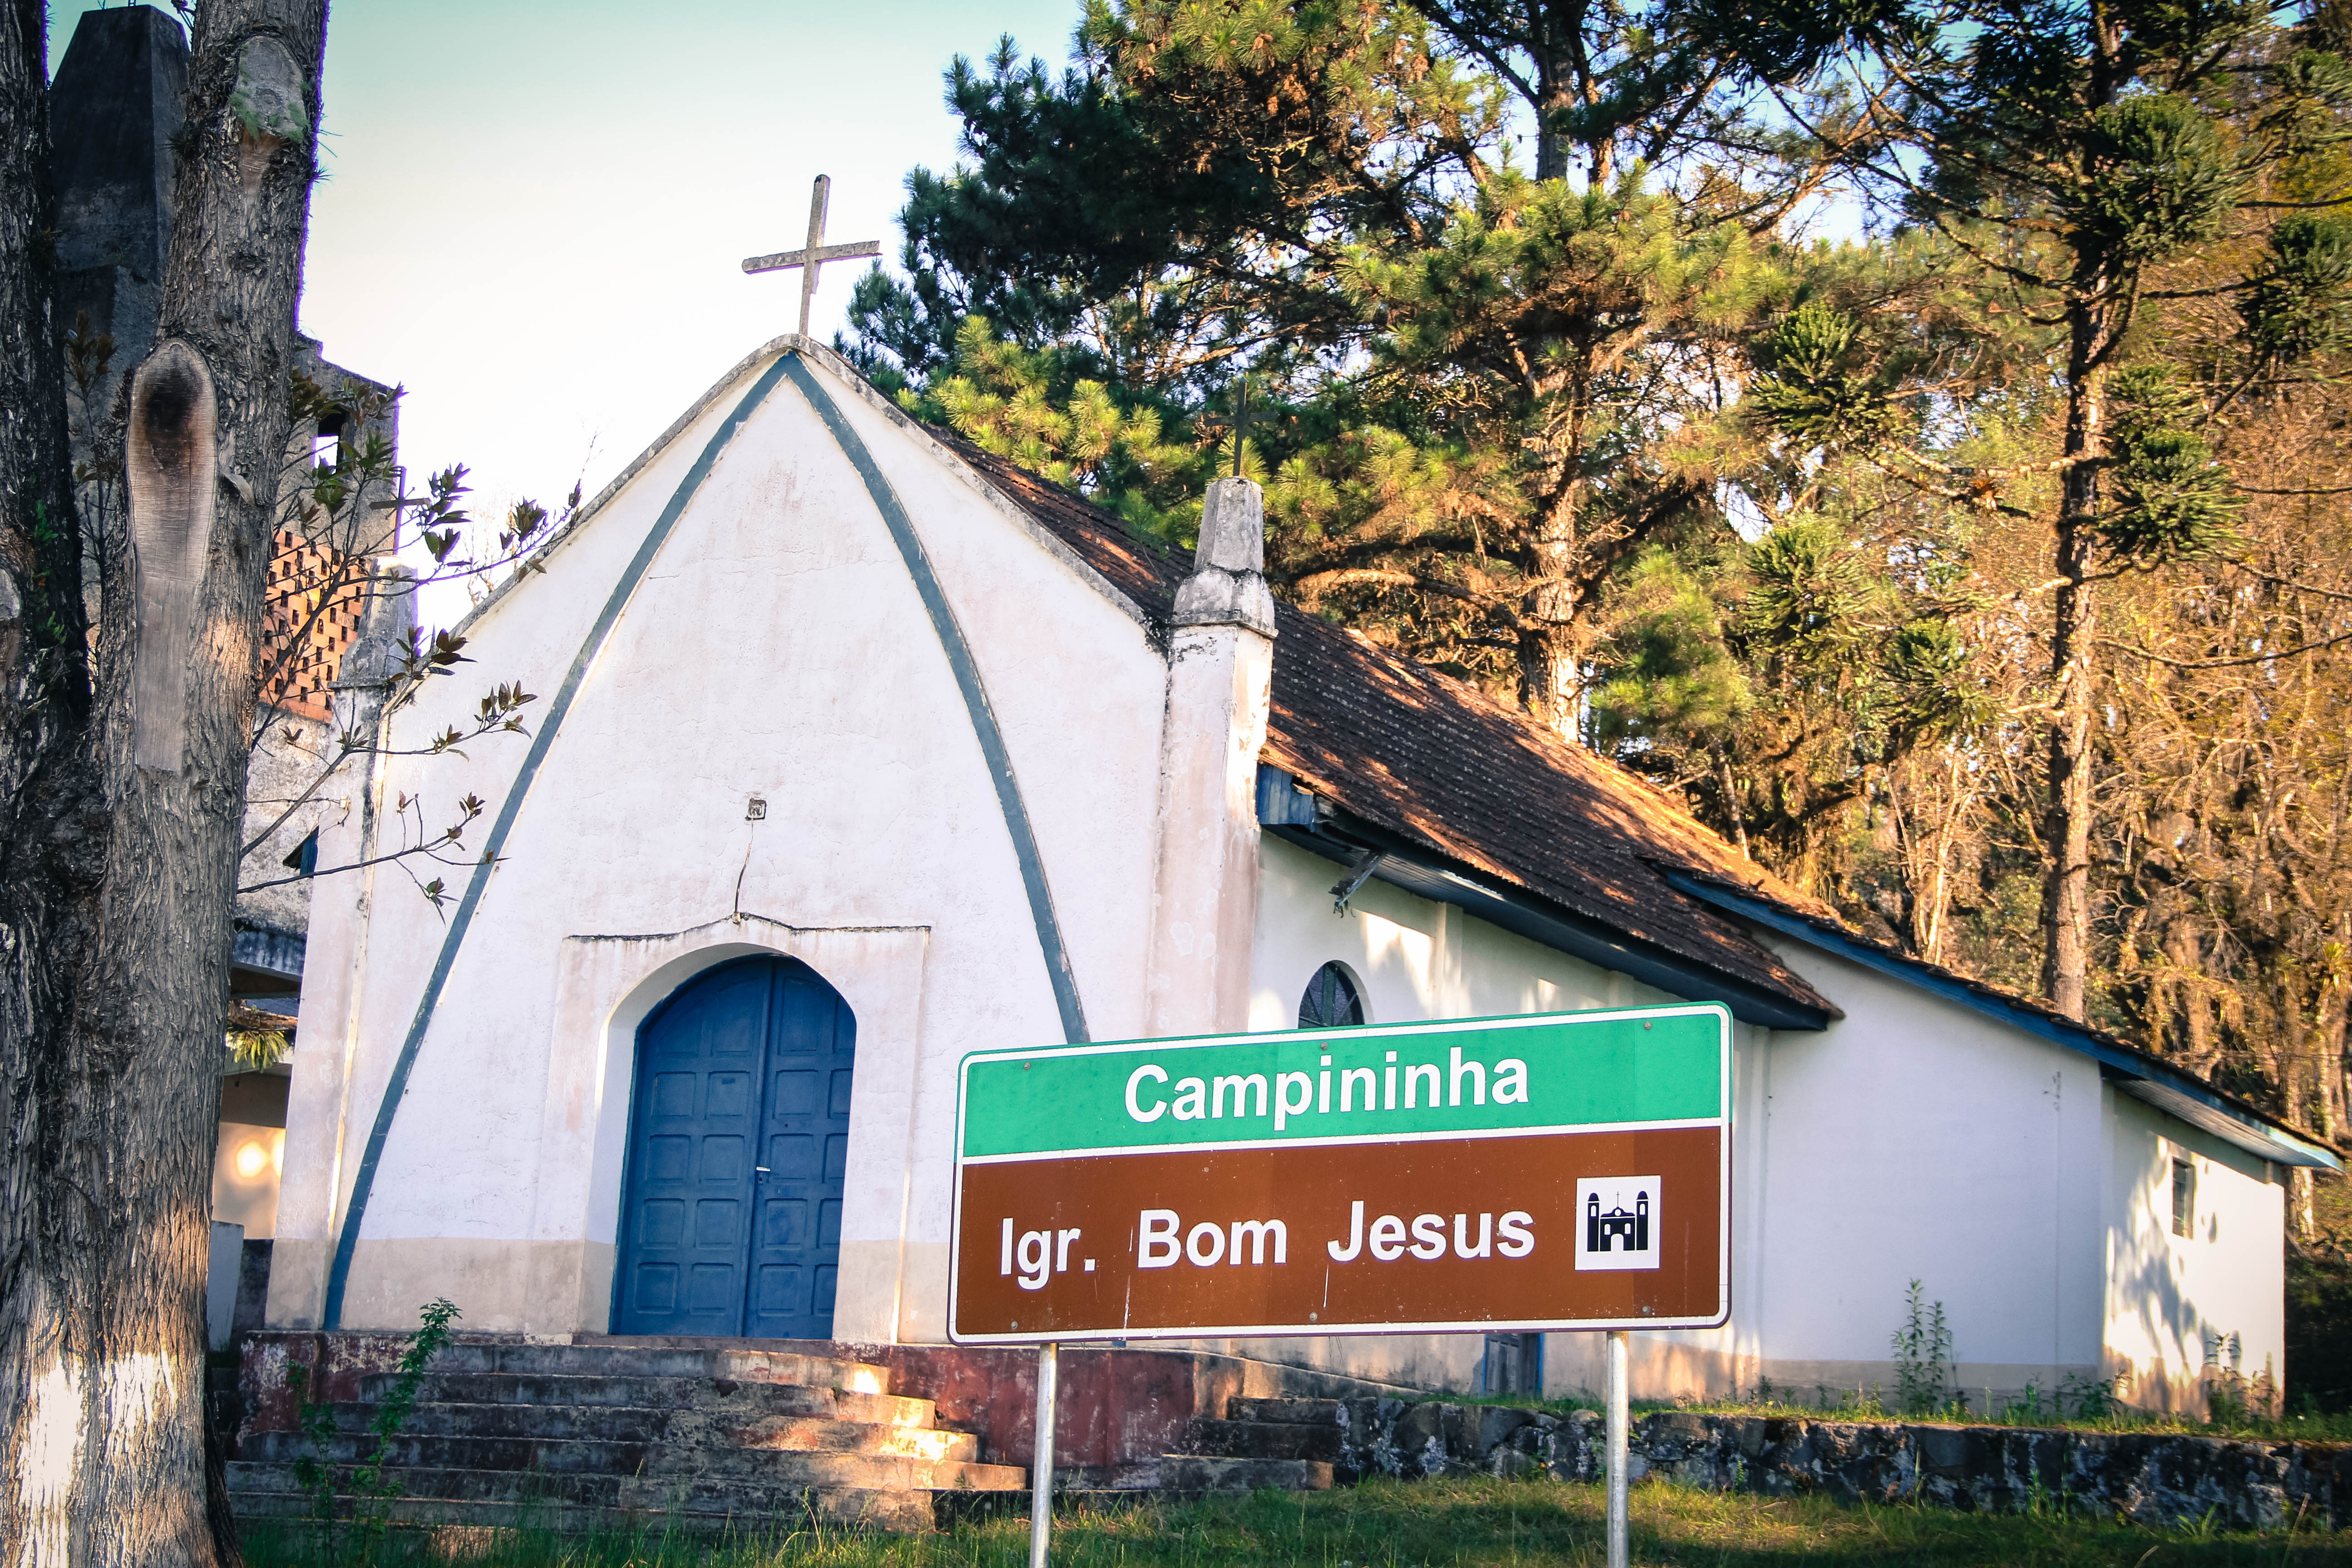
x,y
1481,1523
371,1492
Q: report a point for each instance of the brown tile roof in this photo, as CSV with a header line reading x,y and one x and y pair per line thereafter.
x,y
1436,762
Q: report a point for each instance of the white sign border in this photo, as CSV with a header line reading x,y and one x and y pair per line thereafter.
x,y
1722,1315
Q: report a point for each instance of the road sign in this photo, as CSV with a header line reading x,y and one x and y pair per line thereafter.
x,y
1563,1171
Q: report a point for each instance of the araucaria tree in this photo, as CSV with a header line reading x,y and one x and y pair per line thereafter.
x,y
122,765
2084,164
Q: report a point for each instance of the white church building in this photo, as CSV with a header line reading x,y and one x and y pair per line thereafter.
x,y
855,749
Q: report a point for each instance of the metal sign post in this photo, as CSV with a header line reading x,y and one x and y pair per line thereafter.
x,y
1619,1484
1041,1465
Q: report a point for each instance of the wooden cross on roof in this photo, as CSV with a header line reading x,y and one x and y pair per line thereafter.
x,y
817,254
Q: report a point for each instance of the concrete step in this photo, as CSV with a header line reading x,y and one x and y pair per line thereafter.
x,y
819,1467
1263,1440
270,1491
809,1434
627,1358
420,1460
1284,1411
686,1512
411,1451
258,1485
1195,1473
659,1393
606,1423
748,1427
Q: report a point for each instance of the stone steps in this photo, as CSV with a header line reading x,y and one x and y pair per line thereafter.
x,y
490,1502
1186,1475
1289,1444
661,1394
723,1359
426,1464
605,1432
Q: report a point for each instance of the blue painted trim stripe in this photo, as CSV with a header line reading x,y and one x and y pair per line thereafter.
x,y
338,1273
975,697
2276,1142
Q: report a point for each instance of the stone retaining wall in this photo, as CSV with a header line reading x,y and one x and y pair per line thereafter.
x,y
2147,1478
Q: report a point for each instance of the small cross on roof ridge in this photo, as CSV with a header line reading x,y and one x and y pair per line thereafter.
x,y
812,258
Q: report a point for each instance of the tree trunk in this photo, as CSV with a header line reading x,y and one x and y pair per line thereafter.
x,y
1551,684
115,1063
53,833
2066,816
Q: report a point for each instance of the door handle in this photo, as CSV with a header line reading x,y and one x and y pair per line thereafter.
x,y
759,1169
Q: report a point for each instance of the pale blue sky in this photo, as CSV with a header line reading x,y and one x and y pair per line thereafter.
x,y
535,213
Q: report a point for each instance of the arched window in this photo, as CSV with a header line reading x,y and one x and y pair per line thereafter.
x,y
1332,1001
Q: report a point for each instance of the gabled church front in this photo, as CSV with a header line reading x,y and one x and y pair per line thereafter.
x,y
856,748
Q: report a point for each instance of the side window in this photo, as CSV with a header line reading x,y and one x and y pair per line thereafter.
x,y
1332,1001
2184,1198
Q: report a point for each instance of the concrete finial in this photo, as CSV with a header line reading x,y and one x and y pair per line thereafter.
x,y
1232,527
1227,586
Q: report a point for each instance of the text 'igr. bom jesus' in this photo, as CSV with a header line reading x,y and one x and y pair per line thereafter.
x,y
1151,1095
1162,1241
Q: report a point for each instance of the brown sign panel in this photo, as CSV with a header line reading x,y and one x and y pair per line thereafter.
x,y
1533,1231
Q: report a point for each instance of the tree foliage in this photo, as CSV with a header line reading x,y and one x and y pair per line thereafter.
x,y
1980,570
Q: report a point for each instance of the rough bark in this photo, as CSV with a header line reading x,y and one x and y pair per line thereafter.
x,y
2066,821
119,935
2095,321
51,831
2097,313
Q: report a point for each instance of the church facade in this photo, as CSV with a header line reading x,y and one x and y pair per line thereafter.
x,y
855,750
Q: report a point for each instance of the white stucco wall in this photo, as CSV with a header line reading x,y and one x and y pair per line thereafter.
x,y
777,646
1998,1169
1913,1139
1412,959
2173,1300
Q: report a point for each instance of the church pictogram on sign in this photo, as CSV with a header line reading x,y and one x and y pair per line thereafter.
x,y
1619,1222
1603,1232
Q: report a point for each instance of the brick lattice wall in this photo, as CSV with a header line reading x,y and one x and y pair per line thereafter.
x,y
302,573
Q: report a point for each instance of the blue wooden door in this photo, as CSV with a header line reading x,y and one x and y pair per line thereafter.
x,y
797,1241
739,1140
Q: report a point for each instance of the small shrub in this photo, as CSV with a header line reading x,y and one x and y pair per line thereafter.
x,y
1923,1357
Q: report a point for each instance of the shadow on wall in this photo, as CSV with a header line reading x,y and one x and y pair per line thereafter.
x,y
2148,1275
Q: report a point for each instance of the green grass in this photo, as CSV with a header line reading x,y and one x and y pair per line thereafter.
x,y
1424,1524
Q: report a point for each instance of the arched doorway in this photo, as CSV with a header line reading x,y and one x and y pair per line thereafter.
x,y
738,1138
